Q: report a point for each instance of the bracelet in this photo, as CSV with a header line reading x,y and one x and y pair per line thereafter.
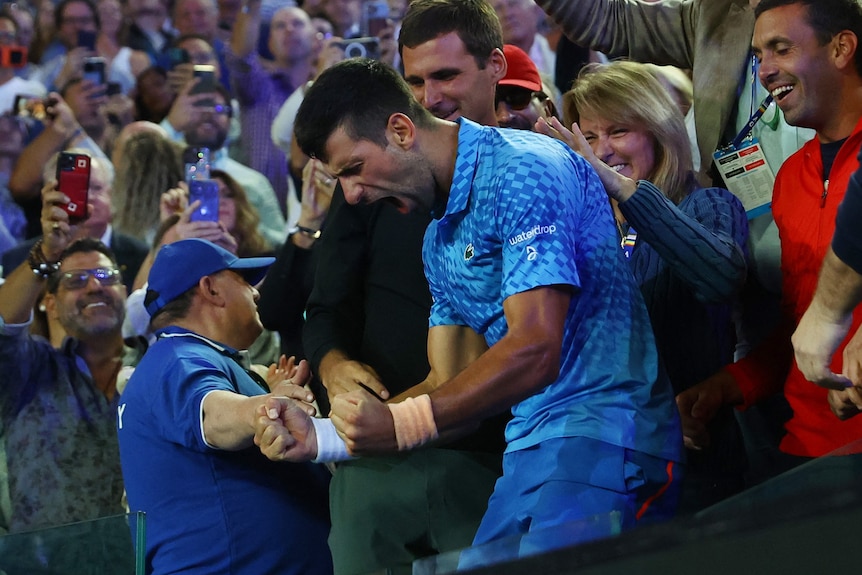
x,y
414,422
78,131
41,267
308,232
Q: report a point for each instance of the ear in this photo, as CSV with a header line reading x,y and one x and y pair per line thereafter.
x,y
497,65
401,131
49,306
549,109
209,291
845,44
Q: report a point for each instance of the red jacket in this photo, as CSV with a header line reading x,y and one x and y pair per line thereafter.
x,y
804,212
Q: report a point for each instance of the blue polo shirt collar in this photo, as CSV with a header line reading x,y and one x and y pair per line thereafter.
x,y
469,135
240,356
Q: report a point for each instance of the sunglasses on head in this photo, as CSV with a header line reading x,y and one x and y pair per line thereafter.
x,y
516,98
77,279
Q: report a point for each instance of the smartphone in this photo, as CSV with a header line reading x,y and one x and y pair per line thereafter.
x,y
374,17
205,191
197,161
367,47
27,106
87,39
73,179
177,56
206,73
13,56
94,70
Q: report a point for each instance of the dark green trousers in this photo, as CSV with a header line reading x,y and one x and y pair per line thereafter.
x,y
389,511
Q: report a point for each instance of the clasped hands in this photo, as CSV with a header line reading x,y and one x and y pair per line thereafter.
x,y
284,430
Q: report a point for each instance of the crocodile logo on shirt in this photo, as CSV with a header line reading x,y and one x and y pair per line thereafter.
x,y
468,253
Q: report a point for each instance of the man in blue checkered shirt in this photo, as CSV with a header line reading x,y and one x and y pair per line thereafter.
x,y
534,309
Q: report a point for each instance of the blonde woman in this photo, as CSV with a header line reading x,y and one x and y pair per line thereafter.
x,y
685,244
149,166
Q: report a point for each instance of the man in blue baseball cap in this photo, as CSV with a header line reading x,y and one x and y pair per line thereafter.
x,y
186,427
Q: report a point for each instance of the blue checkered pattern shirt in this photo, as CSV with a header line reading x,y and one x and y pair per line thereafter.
x,y
525,211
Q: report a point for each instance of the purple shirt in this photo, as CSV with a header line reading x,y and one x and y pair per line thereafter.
x,y
260,94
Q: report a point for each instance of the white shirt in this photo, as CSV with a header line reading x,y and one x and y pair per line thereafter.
x,y
17,86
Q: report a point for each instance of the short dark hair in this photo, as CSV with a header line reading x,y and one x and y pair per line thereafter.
x,y
180,39
827,18
61,7
358,95
176,309
475,22
79,246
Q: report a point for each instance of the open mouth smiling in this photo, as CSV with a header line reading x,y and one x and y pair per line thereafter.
x,y
781,92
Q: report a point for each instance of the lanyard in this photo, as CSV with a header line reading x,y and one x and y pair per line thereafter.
x,y
757,114
755,117
628,238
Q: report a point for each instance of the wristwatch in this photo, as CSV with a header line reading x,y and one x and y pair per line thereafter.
x,y
308,232
41,267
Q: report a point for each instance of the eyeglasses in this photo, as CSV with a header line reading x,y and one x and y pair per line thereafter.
x,y
77,279
78,20
516,98
218,110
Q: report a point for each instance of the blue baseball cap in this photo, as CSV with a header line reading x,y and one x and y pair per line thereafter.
x,y
180,266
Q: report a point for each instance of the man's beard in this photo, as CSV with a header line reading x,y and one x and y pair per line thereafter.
x,y
214,142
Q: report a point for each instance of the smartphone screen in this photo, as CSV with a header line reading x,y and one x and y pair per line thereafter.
x,y
94,70
73,179
197,161
205,191
27,106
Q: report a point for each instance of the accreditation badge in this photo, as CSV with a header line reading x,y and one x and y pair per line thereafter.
x,y
747,175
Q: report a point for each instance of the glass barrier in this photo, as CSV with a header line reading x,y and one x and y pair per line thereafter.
x,y
811,486
785,512
520,546
99,547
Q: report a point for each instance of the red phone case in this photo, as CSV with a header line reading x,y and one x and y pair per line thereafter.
x,y
73,179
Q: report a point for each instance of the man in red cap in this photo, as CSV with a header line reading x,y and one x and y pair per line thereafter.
x,y
520,99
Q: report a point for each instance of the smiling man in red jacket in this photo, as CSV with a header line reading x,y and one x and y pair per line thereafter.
x,y
810,61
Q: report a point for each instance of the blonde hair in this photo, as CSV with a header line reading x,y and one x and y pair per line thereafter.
x,y
150,165
677,83
628,94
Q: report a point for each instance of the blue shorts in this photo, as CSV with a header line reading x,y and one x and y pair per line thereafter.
x,y
572,479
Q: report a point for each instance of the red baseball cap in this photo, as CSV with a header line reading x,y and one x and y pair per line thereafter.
x,y
521,70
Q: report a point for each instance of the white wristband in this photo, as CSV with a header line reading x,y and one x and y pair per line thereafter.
x,y
330,447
